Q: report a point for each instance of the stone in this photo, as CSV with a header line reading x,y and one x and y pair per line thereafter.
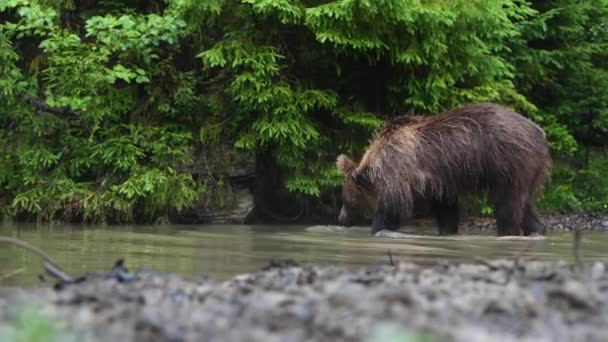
x,y
597,270
229,200
236,213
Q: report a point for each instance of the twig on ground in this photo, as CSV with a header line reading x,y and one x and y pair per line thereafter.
x,y
11,273
390,258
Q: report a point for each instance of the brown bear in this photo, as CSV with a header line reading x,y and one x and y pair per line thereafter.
x,y
473,149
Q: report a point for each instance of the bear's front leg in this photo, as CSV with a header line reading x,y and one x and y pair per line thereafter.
x,y
377,222
384,220
447,215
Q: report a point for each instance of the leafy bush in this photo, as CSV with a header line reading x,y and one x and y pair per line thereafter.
x,y
102,103
85,135
579,188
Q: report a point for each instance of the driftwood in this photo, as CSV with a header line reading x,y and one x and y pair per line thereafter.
x,y
390,258
47,262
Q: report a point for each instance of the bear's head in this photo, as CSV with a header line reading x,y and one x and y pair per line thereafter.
x,y
357,192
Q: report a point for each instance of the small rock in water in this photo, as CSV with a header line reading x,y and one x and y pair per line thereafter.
x,y
120,272
280,263
326,229
531,237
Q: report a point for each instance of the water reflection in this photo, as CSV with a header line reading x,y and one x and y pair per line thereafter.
x,y
222,251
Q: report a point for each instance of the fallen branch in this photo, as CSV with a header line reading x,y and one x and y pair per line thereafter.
x,y
390,258
47,262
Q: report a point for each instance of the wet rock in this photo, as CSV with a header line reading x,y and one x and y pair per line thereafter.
x,y
242,205
577,295
229,201
280,263
598,270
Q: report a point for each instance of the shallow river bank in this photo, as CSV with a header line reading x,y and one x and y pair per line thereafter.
x,y
348,287
554,222
222,251
486,300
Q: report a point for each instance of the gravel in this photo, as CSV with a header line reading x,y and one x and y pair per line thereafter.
x,y
487,300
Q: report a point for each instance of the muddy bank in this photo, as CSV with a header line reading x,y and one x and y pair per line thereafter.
x,y
553,222
480,301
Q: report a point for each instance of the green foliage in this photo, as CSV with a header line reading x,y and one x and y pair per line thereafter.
x,y
440,54
434,56
579,189
92,148
561,57
29,325
101,104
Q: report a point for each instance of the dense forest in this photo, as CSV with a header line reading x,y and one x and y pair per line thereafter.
x,y
104,104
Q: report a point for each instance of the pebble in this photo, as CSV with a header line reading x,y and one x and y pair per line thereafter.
x,y
597,270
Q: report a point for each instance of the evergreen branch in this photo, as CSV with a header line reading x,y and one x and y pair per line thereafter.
x,y
41,106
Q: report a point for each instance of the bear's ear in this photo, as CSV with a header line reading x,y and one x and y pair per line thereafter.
x,y
345,164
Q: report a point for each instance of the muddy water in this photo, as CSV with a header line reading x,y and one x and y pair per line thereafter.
x,y
222,251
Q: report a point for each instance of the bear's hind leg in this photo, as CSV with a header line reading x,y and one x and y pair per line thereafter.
x,y
532,223
392,221
447,214
509,214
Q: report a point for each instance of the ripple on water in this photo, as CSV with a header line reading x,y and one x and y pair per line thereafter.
x,y
221,251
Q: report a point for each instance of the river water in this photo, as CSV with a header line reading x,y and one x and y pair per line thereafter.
x,y
222,251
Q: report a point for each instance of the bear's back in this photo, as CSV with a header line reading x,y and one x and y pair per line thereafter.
x,y
487,123
461,148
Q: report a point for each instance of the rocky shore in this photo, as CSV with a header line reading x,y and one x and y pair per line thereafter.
x,y
487,300
484,300
553,222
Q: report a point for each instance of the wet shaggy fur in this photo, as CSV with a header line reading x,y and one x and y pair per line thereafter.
x,y
472,149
